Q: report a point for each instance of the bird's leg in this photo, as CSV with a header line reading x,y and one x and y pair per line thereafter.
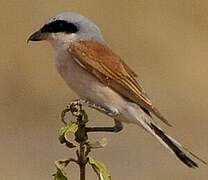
x,y
116,128
94,106
117,124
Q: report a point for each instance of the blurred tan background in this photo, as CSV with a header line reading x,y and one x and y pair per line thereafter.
x,y
164,41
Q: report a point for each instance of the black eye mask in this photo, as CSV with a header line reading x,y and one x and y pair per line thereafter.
x,y
59,26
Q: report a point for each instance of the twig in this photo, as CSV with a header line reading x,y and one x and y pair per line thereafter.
x,y
81,136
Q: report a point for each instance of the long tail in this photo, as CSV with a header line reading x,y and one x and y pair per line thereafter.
x,y
171,144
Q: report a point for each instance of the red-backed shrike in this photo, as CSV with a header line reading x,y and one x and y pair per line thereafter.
x,y
99,76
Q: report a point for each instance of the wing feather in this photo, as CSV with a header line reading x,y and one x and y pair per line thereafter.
x,y
108,68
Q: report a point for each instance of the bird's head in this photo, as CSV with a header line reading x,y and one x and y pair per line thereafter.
x,y
66,28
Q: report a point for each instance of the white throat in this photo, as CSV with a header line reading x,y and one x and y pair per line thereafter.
x,y
61,41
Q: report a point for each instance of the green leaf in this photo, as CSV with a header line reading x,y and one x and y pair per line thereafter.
x,y
60,174
100,169
72,127
98,144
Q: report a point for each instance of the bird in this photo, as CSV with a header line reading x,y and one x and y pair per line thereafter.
x,y
102,79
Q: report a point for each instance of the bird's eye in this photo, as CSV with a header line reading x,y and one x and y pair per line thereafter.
x,y
60,26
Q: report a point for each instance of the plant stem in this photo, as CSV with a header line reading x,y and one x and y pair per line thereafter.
x,y
82,160
81,138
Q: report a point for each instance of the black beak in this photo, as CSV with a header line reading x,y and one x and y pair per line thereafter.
x,y
37,36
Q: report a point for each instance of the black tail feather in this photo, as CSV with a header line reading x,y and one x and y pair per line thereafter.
x,y
178,152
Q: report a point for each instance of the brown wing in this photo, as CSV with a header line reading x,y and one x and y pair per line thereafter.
x,y
104,64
